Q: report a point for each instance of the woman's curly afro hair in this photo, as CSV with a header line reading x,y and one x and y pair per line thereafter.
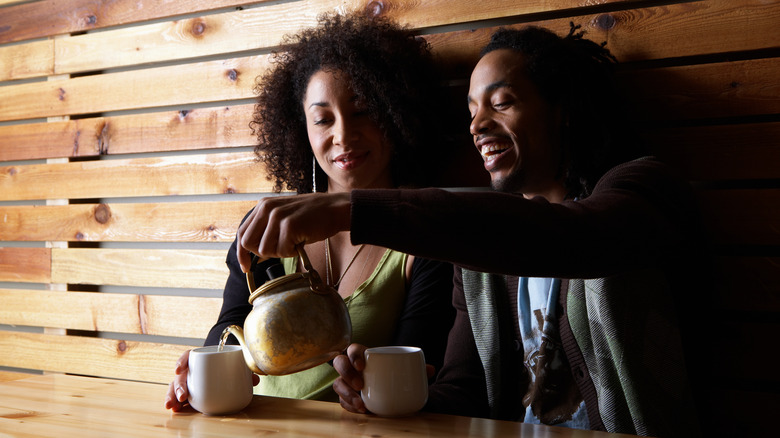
x,y
391,73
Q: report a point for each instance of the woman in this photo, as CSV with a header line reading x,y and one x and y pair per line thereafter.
x,y
344,107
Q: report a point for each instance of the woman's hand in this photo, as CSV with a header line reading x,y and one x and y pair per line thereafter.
x,y
350,381
177,396
176,399
278,223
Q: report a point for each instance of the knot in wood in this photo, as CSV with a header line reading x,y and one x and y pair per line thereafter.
x,y
79,235
102,214
91,19
232,74
605,21
198,28
121,347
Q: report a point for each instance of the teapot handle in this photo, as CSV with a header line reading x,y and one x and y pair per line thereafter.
x,y
315,281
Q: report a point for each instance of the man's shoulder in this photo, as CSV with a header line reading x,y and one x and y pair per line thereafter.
x,y
644,171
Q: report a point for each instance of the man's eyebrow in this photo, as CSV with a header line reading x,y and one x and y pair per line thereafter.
x,y
492,87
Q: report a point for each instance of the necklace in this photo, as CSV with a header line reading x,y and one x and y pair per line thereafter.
x,y
329,271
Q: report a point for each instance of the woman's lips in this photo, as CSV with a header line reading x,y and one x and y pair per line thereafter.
x,y
350,161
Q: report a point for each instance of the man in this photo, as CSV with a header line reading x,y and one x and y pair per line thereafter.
x,y
578,325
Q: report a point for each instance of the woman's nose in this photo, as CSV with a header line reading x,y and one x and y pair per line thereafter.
x,y
344,132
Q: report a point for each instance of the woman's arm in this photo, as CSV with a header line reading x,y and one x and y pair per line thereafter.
x,y
460,387
427,315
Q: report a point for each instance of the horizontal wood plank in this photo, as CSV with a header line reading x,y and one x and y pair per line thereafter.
x,y
228,32
130,360
237,31
163,222
187,129
733,89
177,316
202,82
633,34
29,60
721,152
742,216
178,268
752,279
669,31
220,173
27,265
52,17
7,376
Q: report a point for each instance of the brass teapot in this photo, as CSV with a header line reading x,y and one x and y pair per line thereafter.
x,y
297,322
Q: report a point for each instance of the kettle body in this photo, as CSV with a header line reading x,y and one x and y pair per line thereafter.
x,y
297,322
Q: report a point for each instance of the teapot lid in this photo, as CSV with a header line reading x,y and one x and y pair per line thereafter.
x,y
315,281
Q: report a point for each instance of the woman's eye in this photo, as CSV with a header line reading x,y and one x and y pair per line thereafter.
x,y
321,121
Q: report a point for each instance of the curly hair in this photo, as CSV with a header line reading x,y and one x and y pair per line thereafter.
x,y
578,76
391,72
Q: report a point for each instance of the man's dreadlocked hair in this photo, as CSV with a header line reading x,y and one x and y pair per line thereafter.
x,y
578,76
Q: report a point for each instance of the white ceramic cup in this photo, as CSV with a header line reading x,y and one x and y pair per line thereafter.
x,y
394,381
219,382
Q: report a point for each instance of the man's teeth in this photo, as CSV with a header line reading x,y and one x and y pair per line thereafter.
x,y
491,151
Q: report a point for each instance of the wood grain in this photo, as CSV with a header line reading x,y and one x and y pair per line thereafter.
x,y
742,216
103,312
28,265
221,173
52,17
633,34
186,129
29,60
732,89
751,276
202,82
162,222
204,269
121,359
63,405
230,32
671,31
723,152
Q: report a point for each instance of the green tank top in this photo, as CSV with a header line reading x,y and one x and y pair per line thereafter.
x,y
374,308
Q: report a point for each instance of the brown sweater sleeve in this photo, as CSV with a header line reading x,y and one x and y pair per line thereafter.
x,y
629,220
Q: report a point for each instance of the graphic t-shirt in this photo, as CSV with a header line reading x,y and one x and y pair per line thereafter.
x,y
552,397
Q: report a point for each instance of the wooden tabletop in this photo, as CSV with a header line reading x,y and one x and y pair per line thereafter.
x,y
59,405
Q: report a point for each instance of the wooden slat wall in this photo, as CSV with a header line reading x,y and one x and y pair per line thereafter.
x,y
126,164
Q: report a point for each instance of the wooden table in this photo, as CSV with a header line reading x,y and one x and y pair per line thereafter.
x,y
64,406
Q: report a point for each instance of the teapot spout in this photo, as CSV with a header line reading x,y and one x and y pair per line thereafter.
x,y
238,332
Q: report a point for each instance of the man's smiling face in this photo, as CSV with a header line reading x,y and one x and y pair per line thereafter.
x,y
514,128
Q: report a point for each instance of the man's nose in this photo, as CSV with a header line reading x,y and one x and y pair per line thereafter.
x,y
481,122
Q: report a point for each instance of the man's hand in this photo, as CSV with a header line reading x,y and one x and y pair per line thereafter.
x,y
278,224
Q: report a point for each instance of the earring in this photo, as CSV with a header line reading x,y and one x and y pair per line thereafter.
x,y
313,175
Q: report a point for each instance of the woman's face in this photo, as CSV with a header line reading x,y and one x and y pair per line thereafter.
x,y
347,144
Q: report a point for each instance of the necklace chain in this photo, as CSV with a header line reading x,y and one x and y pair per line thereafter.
x,y
328,261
